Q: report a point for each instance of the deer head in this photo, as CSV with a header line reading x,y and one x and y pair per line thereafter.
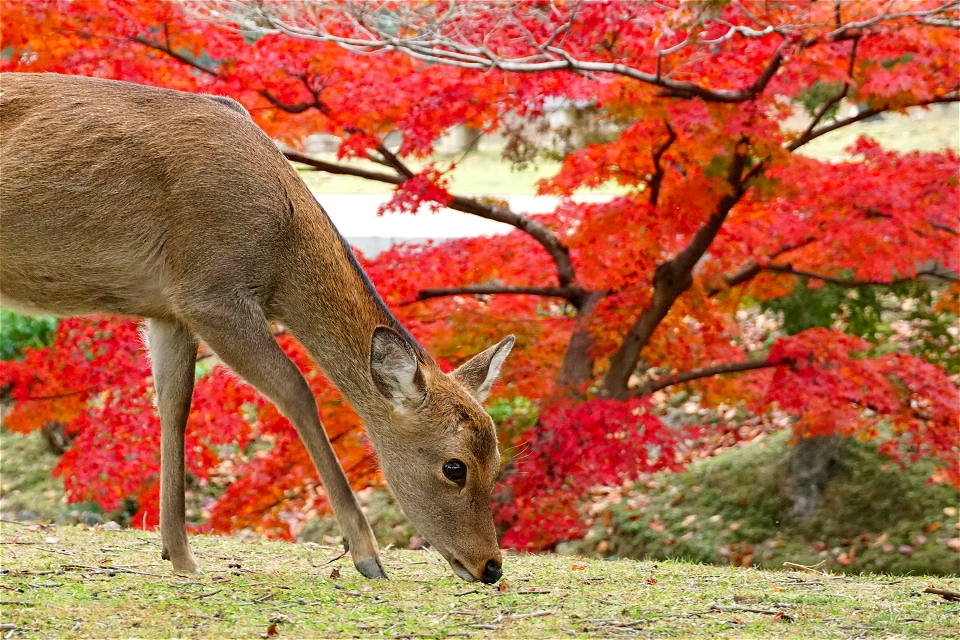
x,y
439,450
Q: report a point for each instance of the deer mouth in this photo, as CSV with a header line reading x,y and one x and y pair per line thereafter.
x,y
461,570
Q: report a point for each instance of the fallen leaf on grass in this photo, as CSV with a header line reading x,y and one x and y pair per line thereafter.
x,y
335,574
503,586
271,631
578,567
651,581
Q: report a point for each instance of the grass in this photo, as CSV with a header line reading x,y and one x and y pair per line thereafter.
x,y
25,479
736,508
78,581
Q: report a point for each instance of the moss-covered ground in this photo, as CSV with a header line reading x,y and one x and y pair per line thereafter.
x,y
736,508
83,582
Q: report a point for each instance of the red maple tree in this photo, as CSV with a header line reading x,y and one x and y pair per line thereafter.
x,y
611,302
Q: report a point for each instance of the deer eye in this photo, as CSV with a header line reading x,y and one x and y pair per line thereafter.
x,y
455,470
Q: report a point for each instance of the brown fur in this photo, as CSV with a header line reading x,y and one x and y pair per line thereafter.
x,y
124,199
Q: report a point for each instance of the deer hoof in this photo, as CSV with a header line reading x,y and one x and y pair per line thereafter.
x,y
371,568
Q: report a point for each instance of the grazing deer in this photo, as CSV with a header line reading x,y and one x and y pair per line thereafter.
x,y
124,199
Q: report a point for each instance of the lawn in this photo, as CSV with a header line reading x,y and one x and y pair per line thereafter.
x,y
78,581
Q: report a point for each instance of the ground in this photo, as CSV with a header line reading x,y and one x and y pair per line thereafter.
x,y
79,581
736,508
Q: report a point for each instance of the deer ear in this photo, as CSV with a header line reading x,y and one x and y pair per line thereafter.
x,y
480,372
395,370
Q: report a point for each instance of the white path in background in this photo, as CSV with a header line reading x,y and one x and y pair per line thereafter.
x,y
356,217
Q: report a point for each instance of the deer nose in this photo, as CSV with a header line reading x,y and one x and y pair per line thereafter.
x,y
492,572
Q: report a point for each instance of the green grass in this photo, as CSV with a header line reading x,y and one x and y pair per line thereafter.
x,y
25,479
75,581
736,508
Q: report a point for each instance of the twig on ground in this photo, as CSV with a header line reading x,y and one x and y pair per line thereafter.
x,y
766,612
106,567
21,524
208,594
334,559
532,614
264,598
804,567
946,594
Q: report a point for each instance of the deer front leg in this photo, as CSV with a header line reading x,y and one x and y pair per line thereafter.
x,y
173,352
240,335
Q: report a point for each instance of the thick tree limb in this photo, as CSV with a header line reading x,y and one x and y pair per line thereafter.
x,y
674,277
706,372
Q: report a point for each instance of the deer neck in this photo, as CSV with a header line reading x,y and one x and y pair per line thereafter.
x,y
331,307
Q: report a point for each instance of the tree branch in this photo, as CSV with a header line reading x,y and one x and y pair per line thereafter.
x,y
851,282
679,378
179,57
342,169
674,277
557,251
432,46
812,134
553,246
657,178
574,295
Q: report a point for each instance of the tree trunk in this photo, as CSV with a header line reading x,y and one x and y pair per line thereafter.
x,y
812,461
577,367
670,280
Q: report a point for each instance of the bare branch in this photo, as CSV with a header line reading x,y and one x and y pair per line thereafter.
x,y
446,37
706,372
342,169
572,294
546,238
657,178
812,134
852,282
179,57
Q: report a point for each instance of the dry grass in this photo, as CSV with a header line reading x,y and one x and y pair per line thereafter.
x,y
76,581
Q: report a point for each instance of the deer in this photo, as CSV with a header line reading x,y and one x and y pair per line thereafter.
x,y
175,207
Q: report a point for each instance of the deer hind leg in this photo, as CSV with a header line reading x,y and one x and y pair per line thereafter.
x,y
240,335
173,352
